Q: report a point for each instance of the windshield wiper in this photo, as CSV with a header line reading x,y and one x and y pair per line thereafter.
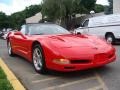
x,y
38,34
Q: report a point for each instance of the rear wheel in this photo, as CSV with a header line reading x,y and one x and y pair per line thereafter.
x,y
9,46
38,59
110,38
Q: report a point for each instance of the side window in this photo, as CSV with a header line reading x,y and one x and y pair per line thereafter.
x,y
85,24
23,29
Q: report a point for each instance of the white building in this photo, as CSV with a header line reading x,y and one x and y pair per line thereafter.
x,y
34,19
116,6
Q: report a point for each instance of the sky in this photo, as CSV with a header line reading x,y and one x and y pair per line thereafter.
x,y
103,2
11,6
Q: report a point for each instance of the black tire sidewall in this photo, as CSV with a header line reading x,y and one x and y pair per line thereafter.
x,y
43,68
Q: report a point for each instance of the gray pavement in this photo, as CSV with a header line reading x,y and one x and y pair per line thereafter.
x,y
104,78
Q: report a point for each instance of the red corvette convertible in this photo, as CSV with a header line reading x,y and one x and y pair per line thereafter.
x,y
49,46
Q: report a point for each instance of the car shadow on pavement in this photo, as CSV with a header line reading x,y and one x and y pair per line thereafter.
x,y
88,72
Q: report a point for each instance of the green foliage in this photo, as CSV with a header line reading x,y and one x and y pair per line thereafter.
x,y
50,8
65,9
109,9
17,19
99,8
3,20
4,83
83,6
32,10
2,74
62,10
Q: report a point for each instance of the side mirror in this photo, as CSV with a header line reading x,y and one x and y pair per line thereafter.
x,y
78,33
19,33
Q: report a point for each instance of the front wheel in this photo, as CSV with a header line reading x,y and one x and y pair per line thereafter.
x,y
38,59
9,46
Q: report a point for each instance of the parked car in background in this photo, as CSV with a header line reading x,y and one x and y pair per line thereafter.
x,y
4,36
4,33
107,26
49,46
1,34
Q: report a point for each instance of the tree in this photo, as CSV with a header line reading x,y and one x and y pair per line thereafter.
x,y
4,22
85,6
109,9
17,19
65,9
32,10
99,8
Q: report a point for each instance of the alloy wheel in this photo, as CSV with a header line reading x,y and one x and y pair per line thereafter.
x,y
37,59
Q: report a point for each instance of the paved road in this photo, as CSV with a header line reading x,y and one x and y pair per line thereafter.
x,y
105,78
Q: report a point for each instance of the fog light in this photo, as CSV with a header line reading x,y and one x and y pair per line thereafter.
x,y
61,61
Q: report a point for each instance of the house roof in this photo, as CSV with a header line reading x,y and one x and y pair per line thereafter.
x,y
34,19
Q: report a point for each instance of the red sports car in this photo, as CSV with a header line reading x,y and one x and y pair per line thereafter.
x,y
49,46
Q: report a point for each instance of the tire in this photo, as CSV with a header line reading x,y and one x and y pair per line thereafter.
x,y
78,33
38,59
110,38
9,46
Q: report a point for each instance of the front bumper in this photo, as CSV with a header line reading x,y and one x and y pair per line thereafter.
x,y
76,67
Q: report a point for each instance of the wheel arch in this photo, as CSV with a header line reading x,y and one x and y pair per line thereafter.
x,y
107,33
35,43
38,43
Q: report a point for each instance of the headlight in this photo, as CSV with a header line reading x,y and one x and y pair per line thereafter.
x,y
61,61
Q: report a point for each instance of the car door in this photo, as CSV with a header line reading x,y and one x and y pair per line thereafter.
x,y
96,26
22,42
85,27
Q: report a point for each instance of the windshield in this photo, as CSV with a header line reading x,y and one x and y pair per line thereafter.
x,y
48,29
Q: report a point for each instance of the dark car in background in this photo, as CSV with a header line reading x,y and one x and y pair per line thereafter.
x,y
1,34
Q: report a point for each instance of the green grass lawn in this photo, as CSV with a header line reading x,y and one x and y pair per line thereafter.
x,y
4,83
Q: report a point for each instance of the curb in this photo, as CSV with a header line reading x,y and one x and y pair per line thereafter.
x,y
11,77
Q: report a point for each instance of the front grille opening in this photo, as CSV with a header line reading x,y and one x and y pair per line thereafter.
x,y
69,67
80,61
100,57
110,56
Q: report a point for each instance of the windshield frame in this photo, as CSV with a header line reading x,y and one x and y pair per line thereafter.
x,y
59,27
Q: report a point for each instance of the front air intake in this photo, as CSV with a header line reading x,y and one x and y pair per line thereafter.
x,y
80,61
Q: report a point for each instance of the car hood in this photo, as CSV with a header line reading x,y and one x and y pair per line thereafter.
x,y
69,41
72,46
